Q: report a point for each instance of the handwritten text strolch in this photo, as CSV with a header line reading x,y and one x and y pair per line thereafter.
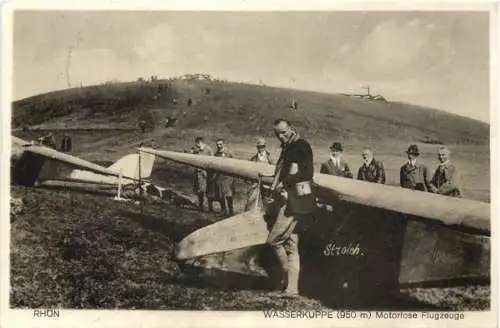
x,y
349,248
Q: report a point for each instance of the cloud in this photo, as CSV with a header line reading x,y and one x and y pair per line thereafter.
x,y
395,50
110,66
158,43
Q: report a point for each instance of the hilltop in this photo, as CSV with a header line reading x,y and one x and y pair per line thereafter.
x,y
104,119
217,107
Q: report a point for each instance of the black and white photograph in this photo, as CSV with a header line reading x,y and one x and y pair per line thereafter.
x,y
291,163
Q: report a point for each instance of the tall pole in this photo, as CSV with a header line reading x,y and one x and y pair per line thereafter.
x,y
68,64
119,196
120,180
367,88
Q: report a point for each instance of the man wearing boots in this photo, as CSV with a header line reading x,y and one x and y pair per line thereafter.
x,y
223,184
293,201
202,178
66,143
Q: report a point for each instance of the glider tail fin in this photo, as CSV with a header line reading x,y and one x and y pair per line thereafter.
x,y
129,165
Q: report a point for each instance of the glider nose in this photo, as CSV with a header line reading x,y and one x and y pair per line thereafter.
x,y
178,253
181,251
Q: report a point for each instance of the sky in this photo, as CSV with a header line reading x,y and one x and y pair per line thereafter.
x,y
434,59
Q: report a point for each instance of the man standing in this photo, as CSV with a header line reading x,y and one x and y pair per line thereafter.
x,y
293,201
202,178
371,170
444,181
141,124
262,155
414,175
50,141
336,165
223,184
154,145
66,143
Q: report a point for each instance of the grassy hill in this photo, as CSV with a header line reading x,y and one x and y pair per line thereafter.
x,y
220,107
242,112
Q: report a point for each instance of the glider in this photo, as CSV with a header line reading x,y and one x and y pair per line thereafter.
x,y
365,239
39,166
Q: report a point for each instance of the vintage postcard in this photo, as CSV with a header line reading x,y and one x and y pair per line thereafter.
x,y
249,164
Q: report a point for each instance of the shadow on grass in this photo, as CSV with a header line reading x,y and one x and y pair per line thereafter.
x,y
176,229
176,225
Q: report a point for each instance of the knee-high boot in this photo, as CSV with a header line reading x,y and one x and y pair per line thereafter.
x,y
223,206
201,201
210,204
293,261
280,278
230,205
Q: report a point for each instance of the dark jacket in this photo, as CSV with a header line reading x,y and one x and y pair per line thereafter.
x,y
301,199
373,172
415,177
66,144
445,180
297,151
342,170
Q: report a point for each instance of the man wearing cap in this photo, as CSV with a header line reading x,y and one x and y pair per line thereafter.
x,y
202,177
371,170
262,155
293,200
336,165
444,181
414,175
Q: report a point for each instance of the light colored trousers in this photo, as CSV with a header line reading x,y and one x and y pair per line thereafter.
x,y
284,242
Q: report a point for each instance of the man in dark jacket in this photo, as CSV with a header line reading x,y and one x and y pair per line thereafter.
x,y
293,201
66,143
336,165
414,175
371,170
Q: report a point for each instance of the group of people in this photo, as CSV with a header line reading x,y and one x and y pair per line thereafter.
x,y
292,196
213,186
413,174
50,141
